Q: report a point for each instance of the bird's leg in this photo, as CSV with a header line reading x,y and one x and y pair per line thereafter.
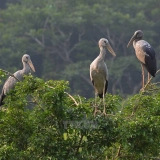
x,y
95,98
104,109
96,106
142,76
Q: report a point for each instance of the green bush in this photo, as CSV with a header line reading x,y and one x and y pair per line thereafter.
x,y
41,120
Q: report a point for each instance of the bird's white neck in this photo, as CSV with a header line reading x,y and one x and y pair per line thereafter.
x,y
102,52
26,68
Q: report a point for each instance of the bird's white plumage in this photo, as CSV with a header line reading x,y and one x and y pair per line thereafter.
x,y
98,74
99,71
98,68
10,82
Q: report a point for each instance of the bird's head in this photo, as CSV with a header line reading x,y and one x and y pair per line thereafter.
x,y
103,42
26,59
136,36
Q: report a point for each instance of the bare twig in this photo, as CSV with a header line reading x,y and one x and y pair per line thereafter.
x,y
68,95
72,98
10,74
149,81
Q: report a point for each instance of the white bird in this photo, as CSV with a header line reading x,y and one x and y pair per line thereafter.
x,y
145,54
10,82
99,71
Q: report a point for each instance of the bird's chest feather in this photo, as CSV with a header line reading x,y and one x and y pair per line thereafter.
x,y
140,54
140,49
99,73
99,66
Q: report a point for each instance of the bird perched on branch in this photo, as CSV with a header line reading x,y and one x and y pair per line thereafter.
x,y
99,71
11,81
145,54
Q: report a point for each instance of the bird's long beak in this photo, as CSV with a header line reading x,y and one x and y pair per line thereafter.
x,y
111,50
131,41
31,65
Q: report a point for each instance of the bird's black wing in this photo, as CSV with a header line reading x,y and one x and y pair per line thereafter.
x,y
93,82
150,60
2,96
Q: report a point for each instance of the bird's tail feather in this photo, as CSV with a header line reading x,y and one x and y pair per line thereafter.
x,y
100,95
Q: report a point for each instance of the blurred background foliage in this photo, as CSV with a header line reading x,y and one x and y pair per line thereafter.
x,y
61,36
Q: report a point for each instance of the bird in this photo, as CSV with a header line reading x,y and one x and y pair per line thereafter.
x,y
145,54
99,71
11,81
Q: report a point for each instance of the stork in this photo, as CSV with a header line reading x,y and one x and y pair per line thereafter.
x,y
99,71
145,54
11,81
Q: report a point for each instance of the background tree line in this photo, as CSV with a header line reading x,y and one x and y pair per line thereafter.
x,y
61,37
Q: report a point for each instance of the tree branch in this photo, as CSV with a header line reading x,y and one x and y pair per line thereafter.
x,y
36,39
10,74
149,81
77,104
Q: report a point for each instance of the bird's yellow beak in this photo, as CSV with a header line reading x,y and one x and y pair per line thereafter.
x,y
131,41
111,50
31,65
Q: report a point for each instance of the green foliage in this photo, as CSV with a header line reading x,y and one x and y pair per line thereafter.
x,y
40,120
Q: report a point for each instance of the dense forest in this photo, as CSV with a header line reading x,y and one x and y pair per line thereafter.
x,y
49,115
62,39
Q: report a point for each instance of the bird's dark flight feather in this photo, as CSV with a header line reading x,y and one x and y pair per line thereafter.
x,y
2,96
106,86
150,60
93,82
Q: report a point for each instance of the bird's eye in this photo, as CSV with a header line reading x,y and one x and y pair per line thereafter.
x,y
105,42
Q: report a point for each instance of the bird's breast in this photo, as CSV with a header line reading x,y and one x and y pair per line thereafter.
x,y
140,53
99,79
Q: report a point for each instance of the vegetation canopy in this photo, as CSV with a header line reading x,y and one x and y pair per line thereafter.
x,y
41,120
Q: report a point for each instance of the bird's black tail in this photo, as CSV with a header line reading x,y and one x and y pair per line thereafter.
x,y
100,95
106,86
2,96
